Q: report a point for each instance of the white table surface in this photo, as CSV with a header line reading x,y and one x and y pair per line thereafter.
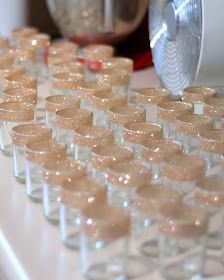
x,y
30,247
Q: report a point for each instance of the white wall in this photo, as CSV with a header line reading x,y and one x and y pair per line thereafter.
x,y
13,13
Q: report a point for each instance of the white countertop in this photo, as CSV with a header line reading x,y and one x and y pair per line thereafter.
x,y
30,247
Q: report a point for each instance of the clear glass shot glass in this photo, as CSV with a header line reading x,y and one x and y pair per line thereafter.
x,y
182,242
123,63
88,137
182,171
214,108
149,98
76,195
7,59
65,83
8,70
122,180
4,44
167,113
209,195
37,154
20,80
54,103
26,95
212,147
61,51
103,101
93,55
40,42
188,128
12,114
118,79
136,134
197,96
67,122
55,173
25,56
104,242
20,34
86,90
21,135
62,47
154,152
103,156
60,57
121,115
72,66
119,62
147,201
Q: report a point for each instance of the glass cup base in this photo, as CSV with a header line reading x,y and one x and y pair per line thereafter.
x,y
7,150
150,248
20,178
36,195
52,217
72,241
139,266
105,271
180,274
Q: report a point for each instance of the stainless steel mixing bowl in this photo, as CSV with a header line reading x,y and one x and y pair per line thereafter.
x,y
105,21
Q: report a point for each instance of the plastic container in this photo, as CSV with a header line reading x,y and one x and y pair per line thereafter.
x,y
197,96
214,108
86,90
154,152
76,195
212,147
167,113
121,115
55,173
181,172
122,180
188,128
12,114
104,242
88,137
103,156
182,242
58,102
103,101
136,134
37,154
149,98
21,136
67,122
